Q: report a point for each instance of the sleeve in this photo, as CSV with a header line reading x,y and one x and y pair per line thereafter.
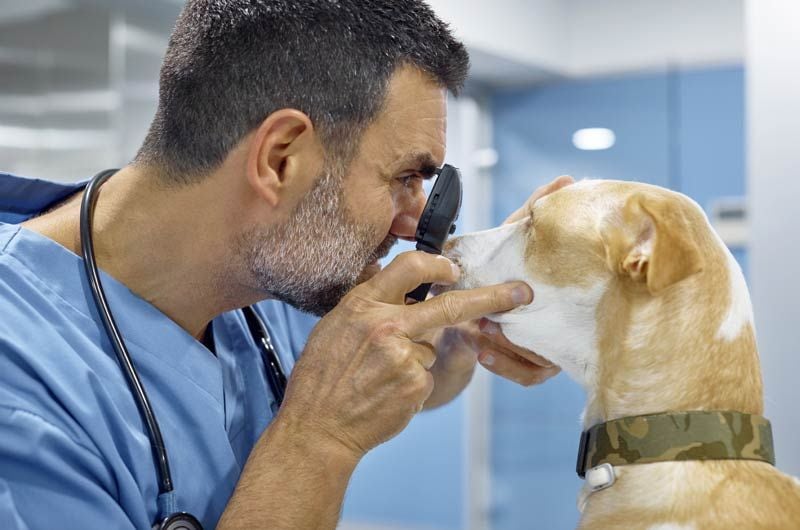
x,y
48,480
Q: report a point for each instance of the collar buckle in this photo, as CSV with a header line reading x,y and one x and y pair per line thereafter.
x,y
601,477
598,478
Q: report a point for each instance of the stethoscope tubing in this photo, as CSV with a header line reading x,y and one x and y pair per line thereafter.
x,y
92,273
275,375
273,370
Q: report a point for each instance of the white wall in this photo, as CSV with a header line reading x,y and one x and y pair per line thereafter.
x,y
528,31
623,35
773,114
576,38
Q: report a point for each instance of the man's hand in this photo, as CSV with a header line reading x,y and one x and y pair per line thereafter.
x,y
365,369
500,356
459,347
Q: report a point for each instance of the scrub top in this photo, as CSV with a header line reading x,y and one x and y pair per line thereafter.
x,y
74,452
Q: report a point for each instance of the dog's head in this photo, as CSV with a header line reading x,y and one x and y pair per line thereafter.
x,y
607,261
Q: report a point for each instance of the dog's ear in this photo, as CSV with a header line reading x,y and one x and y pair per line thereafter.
x,y
651,242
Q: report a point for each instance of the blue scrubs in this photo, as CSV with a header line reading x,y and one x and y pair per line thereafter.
x,y
74,452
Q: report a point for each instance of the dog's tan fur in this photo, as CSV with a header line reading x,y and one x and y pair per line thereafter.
x,y
667,338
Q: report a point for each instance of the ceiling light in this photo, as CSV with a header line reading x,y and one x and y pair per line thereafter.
x,y
593,139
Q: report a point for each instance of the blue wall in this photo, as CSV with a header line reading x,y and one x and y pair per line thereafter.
x,y
711,138
682,130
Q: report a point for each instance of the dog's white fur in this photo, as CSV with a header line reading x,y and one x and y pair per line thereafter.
x,y
639,301
740,311
560,321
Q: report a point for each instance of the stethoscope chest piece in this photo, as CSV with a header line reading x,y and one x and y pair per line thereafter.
x,y
180,521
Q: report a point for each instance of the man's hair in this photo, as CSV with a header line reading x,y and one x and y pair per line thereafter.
x,y
231,63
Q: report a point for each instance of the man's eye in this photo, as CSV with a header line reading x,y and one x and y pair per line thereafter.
x,y
411,180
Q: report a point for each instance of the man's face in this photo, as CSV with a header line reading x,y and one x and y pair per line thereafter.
x,y
347,222
403,147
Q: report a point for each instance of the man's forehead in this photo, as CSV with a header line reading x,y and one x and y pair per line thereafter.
x,y
409,133
414,95
413,144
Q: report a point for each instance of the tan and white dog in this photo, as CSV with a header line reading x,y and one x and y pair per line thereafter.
x,y
639,301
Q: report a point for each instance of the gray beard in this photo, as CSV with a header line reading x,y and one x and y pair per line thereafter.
x,y
312,260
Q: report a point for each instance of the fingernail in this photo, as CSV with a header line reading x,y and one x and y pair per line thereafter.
x,y
456,268
521,295
487,360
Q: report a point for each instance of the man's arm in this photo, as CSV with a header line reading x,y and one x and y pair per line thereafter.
x,y
291,480
363,375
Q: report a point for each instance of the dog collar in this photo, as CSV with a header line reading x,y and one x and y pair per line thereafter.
x,y
675,436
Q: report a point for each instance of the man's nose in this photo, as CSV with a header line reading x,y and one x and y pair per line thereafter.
x,y
404,225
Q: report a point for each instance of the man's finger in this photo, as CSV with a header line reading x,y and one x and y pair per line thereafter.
x,y
407,271
453,307
517,369
425,354
492,336
555,185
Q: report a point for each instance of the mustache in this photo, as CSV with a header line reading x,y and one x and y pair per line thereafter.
x,y
383,249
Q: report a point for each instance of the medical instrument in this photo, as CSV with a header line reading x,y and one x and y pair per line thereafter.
x,y
438,218
274,372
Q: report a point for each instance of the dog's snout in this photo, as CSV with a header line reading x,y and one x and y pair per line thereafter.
x,y
453,256
450,246
451,250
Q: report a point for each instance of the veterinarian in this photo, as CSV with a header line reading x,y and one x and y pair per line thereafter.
x,y
286,157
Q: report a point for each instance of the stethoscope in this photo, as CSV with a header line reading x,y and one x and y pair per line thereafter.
x,y
171,518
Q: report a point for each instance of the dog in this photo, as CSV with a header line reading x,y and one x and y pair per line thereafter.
x,y
638,300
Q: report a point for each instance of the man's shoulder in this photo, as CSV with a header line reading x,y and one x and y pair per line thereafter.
x,y
48,348
30,303
22,197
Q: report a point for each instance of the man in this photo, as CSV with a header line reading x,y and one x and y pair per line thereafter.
x,y
286,157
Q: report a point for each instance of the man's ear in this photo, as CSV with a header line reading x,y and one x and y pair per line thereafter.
x,y
652,242
284,152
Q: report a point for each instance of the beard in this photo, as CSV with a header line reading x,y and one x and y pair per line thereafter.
x,y
313,259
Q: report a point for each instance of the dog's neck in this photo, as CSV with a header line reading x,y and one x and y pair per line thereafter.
x,y
692,348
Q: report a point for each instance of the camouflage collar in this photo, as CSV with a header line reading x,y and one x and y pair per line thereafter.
x,y
671,436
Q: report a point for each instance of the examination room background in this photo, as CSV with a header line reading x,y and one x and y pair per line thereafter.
x,y
78,87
